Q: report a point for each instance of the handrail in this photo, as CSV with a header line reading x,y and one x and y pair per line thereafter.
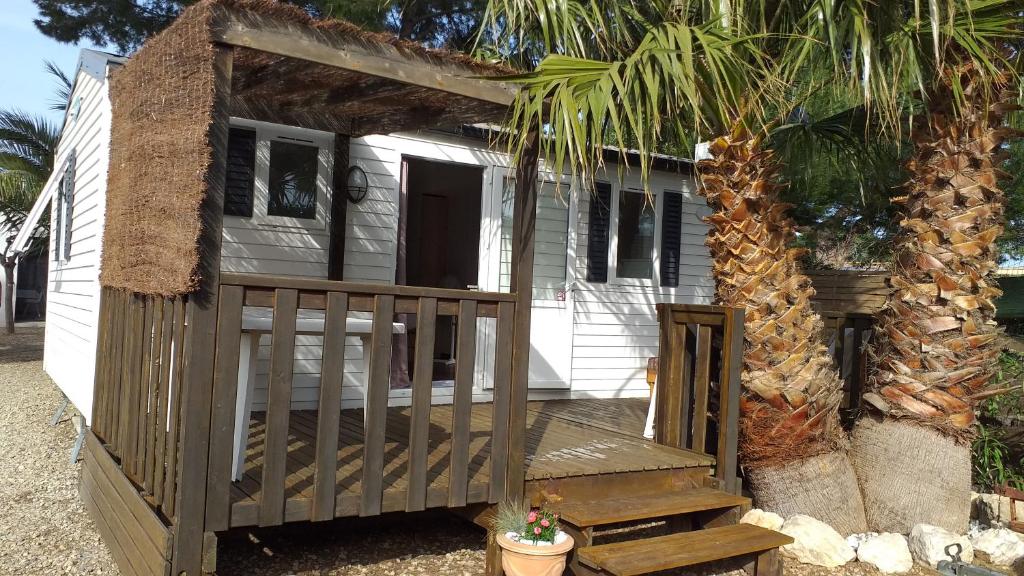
x,y
687,356
319,285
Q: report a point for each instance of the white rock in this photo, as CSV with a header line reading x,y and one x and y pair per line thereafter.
x,y
888,552
928,545
993,509
758,517
815,543
1003,546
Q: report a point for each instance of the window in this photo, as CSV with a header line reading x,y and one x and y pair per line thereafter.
x,y
292,183
278,175
635,253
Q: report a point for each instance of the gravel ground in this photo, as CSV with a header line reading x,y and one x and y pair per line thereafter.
x,y
44,529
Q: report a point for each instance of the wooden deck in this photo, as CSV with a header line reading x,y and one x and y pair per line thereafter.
x,y
565,438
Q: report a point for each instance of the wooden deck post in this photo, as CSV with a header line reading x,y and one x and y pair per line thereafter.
x,y
524,224
200,340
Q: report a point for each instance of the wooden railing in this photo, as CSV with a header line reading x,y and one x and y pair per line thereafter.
x,y
137,393
286,296
850,355
700,346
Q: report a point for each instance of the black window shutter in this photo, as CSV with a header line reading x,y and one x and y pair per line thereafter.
x,y
671,235
69,202
597,232
58,209
241,173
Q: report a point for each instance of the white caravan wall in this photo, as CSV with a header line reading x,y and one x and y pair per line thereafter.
x,y
614,324
72,307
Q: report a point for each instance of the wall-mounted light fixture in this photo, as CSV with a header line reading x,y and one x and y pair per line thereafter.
x,y
357,184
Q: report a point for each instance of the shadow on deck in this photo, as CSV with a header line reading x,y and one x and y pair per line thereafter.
x,y
565,439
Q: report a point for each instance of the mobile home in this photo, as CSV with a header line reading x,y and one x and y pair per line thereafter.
x,y
292,280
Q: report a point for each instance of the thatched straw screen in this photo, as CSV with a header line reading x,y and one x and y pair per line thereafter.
x,y
162,101
159,155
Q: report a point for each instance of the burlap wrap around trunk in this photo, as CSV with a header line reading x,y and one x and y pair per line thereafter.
x,y
823,487
911,475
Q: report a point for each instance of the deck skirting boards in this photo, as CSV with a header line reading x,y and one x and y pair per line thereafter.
x,y
136,537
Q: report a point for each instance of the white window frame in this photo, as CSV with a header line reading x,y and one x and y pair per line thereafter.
x,y
613,245
265,134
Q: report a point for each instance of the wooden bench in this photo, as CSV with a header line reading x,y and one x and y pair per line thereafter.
x,y
684,549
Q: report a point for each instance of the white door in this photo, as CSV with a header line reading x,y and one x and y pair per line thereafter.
x,y
551,330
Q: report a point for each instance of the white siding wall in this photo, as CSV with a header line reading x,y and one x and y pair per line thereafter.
x,y
73,294
615,325
615,329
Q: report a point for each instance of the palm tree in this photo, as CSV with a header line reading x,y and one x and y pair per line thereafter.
x,y
647,73
28,147
935,348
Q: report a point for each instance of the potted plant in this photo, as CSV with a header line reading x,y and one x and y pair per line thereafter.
x,y
531,542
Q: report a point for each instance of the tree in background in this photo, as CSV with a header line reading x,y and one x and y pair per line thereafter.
x,y
28,147
125,24
935,349
640,74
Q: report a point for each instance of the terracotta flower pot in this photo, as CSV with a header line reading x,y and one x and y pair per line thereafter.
x,y
525,559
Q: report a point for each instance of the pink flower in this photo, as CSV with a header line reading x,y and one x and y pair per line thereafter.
x,y
545,523
532,517
537,530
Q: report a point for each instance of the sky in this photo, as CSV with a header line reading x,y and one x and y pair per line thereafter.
x,y
25,84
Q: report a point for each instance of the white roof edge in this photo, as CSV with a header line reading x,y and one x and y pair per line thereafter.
x,y
28,227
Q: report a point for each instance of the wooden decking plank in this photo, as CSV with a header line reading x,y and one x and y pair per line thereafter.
x,y
174,405
332,373
150,525
636,557
279,397
112,530
613,510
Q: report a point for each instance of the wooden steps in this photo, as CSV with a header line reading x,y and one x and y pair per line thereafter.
x,y
648,506
649,527
680,550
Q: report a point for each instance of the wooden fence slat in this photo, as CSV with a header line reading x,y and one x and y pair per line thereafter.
x,y
465,362
130,389
177,361
376,408
222,425
160,437
101,386
279,396
422,389
152,415
114,365
672,409
501,399
729,401
701,384
332,373
144,389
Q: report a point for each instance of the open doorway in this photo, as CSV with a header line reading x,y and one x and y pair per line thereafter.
x,y
439,245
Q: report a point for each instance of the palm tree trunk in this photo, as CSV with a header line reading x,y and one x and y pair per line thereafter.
x,y
936,337
791,444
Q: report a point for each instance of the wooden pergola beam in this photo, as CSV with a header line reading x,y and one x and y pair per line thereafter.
x,y
385,61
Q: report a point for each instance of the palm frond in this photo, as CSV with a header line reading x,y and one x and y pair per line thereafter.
x,y
62,96
678,73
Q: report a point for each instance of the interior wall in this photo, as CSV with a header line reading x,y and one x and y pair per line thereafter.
x,y
444,207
